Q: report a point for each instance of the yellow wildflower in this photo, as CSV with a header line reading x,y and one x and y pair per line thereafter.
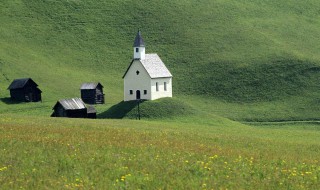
x,y
3,169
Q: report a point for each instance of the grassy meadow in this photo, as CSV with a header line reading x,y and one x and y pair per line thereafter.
x,y
245,112
130,154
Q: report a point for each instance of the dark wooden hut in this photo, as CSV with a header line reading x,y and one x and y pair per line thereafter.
x,y
73,108
25,89
92,93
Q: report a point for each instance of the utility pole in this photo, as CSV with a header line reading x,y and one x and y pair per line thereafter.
x,y
138,100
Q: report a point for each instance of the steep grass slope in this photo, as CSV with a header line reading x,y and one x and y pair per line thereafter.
x,y
247,55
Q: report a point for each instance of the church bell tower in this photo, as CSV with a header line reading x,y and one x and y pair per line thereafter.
x,y
139,47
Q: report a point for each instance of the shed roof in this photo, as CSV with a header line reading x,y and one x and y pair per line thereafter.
x,y
138,41
20,83
154,66
71,104
90,85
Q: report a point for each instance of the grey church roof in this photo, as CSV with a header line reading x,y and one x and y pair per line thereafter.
x,y
20,83
138,41
72,104
90,85
154,66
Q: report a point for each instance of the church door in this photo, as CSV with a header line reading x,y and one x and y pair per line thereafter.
x,y
138,96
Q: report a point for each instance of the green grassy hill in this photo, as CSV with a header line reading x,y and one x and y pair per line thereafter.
x,y
235,63
165,108
256,56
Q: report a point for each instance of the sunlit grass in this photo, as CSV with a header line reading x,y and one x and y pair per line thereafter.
x,y
75,153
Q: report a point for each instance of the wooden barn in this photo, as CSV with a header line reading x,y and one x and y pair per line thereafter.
x,y
92,93
73,108
25,89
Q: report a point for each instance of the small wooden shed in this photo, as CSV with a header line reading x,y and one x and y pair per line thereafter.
x,y
92,93
73,108
25,89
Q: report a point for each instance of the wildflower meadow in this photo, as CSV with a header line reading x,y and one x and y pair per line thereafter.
x,y
128,154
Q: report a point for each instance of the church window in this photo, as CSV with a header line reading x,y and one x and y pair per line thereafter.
x,y
157,86
137,50
145,92
165,86
138,72
131,91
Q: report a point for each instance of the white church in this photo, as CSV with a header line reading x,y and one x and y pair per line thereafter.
x,y
147,77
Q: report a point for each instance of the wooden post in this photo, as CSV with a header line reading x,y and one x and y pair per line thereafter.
x,y
138,108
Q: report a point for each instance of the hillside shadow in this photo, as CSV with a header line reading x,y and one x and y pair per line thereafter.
x,y
119,110
9,101
270,80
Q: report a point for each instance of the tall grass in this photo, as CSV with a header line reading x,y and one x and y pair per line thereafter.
x,y
126,154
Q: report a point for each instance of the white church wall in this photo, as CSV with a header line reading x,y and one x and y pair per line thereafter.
x,y
135,82
162,91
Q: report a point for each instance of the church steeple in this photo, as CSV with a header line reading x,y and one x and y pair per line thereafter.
x,y
138,47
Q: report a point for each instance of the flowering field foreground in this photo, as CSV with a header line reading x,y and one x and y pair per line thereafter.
x,y
41,153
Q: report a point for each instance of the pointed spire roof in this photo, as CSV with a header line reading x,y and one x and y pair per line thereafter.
x,y
138,41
